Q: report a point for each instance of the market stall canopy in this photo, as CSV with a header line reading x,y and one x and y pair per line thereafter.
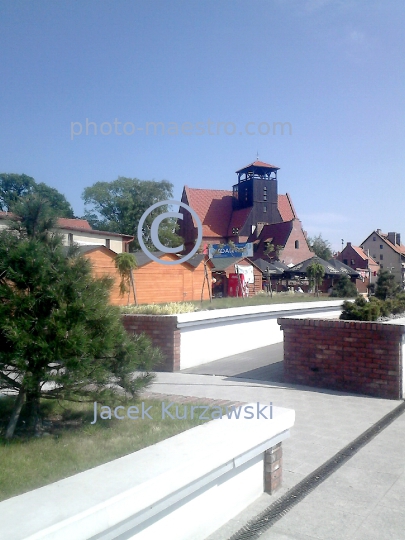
x,y
332,267
343,268
275,268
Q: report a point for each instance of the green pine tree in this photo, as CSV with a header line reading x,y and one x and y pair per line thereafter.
x,y
386,287
59,336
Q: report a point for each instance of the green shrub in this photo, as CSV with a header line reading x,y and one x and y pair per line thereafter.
x,y
398,304
360,310
344,288
386,286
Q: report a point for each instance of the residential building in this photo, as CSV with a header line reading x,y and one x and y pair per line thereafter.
x,y
79,231
386,250
360,260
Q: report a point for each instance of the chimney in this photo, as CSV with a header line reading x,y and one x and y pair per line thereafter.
x,y
349,244
378,231
393,237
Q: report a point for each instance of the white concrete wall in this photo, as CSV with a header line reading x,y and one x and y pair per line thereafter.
x,y
211,335
183,488
89,239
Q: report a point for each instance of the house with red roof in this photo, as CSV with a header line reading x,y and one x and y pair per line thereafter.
x,y
245,215
386,249
79,231
360,260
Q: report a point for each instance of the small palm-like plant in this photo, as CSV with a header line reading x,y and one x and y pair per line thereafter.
x,y
315,273
125,264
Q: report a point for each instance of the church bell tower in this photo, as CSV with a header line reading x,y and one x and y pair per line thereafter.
x,y
257,188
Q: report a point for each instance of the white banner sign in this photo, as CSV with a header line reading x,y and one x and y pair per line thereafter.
x,y
247,271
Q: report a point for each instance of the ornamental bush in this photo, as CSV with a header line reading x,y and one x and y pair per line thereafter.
x,y
59,336
344,288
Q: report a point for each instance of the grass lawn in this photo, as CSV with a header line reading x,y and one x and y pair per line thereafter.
x,y
71,444
261,300
172,308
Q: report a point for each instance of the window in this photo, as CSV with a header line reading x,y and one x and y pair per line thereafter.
x,y
107,243
381,257
70,239
374,238
264,208
297,244
344,261
381,246
265,197
352,262
381,266
375,257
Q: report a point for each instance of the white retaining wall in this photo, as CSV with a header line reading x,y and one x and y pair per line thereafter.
x,y
183,488
211,335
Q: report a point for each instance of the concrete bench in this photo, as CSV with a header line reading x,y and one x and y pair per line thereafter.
x,y
184,487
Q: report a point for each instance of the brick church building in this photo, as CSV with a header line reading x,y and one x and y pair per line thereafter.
x,y
252,212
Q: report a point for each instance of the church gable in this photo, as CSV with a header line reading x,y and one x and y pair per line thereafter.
x,y
234,215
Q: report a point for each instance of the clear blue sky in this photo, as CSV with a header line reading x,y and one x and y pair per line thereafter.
x,y
333,69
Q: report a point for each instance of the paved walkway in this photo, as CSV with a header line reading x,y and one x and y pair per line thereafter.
x,y
360,500
264,364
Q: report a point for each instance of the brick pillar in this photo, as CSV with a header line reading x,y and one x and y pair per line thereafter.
x,y
273,468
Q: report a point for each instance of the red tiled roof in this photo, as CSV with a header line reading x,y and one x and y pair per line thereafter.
x,y
286,208
363,254
277,233
213,207
74,224
398,248
62,222
259,164
238,219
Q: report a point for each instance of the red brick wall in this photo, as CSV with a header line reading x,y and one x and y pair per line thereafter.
x,y
164,334
360,357
350,254
273,468
291,254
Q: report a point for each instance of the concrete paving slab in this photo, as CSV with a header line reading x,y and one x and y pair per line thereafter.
x,y
326,421
355,502
307,518
385,524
